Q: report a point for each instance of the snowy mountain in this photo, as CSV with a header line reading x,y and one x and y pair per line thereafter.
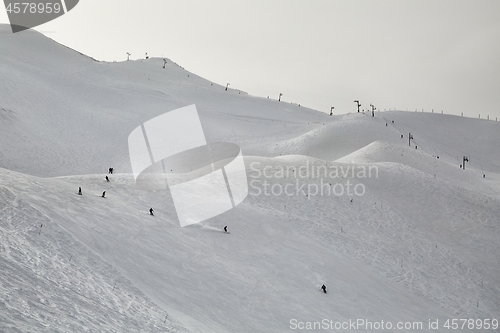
x,y
422,241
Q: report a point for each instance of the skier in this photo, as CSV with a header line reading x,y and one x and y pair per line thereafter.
x,y
225,229
107,179
79,191
324,288
110,170
151,212
104,194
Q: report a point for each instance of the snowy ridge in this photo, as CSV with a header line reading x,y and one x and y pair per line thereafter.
x,y
62,108
421,243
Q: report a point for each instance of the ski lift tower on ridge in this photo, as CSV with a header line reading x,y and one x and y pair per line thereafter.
x,y
357,102
373,110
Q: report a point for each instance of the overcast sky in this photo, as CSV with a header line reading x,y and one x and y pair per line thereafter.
x,y
395,54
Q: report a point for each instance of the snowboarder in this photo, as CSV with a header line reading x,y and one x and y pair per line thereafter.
x,y
110,171
225,229
151,212
104,194
107,179
79,191
324,288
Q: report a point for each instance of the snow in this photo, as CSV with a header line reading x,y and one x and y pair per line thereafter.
x,y
422,243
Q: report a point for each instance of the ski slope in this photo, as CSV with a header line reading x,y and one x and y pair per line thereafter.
x,y
421,244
